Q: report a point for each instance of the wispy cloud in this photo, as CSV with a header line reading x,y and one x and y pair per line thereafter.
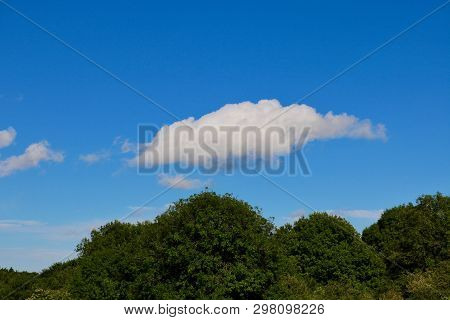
x,y
7,137
374,214
294,216
16,224
180,182
32,157
13,98
32,258
95,157
126,146
72,231
119,146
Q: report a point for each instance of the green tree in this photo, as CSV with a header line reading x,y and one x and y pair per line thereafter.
x,y
327,248
109,262
207,246
210,246
412,237
433,283
217,247
59,276
292,286
15,284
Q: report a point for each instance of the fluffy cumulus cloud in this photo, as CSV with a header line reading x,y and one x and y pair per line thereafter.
x,y
179,182
229,131
7,137
95,157
32,157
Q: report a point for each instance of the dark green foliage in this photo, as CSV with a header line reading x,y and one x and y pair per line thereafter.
x,y
207,246
412,237
345,290
15,285
292,287
328,248
433,283
110,262
217,247
211,246
58,276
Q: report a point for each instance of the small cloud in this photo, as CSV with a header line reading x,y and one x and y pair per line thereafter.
x,y
179,182
294,216
125,145
32,157
15,224
357,213
95,157
7,137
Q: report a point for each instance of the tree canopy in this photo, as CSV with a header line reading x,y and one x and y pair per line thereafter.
x,y
207,246
328,248
212,246
413,237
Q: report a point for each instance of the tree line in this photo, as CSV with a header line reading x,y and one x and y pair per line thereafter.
x,y
213,246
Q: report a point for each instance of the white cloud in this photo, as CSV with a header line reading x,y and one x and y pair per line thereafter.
x,y
357,213
179,182
119,145
166,149
7,137
95,157
32,157
127,146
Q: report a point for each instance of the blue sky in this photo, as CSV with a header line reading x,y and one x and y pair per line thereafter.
x,y
193,58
